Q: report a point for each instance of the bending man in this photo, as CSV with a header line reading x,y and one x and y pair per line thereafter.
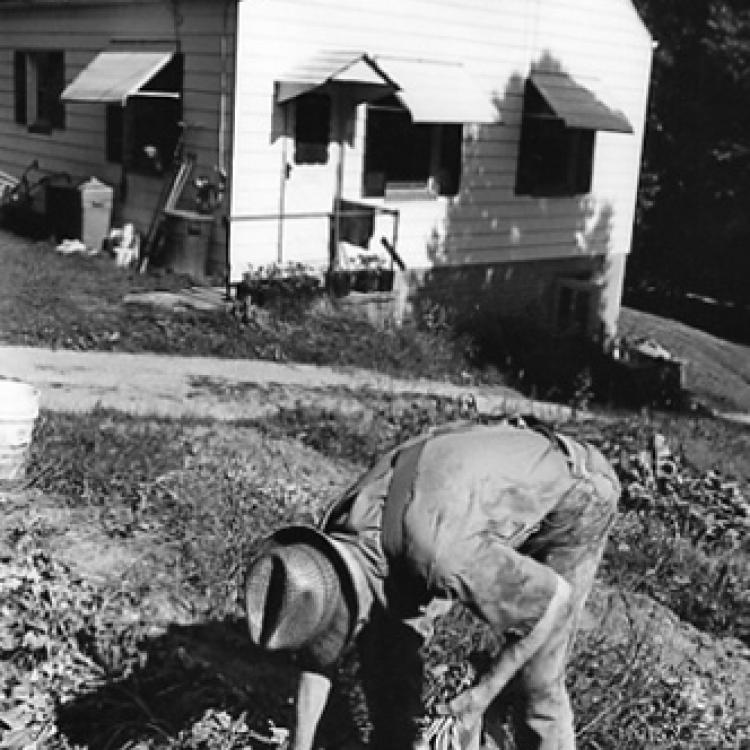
x,y
509,520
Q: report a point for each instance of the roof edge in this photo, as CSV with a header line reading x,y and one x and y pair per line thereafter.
x,y
21,5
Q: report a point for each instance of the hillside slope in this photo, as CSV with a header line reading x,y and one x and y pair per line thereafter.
x,y
718,371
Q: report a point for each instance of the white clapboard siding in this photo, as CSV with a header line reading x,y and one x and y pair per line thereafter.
x,y
497,41
81,31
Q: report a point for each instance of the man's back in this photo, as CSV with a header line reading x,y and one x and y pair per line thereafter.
x,y
420,513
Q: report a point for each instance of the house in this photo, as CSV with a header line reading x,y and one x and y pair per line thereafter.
x,y
101,88
495,143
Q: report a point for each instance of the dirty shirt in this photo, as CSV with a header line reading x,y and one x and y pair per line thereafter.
x,y
468,513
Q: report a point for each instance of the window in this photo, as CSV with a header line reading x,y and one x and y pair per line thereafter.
x,y
39,80
576,302
401,155
144,133
553,159
312,128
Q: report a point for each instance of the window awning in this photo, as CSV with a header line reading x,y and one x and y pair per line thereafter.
x,y
576,105
438,92
114,75
356,70
432,91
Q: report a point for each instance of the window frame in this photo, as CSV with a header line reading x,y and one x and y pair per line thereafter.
x,y
38,82
575,303
125,139
554,160
436,151
312,128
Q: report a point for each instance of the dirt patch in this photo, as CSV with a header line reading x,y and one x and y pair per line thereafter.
x,y
656,678
137,532
72,535
151,384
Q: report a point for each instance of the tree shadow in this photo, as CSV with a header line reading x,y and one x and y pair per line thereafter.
x,y
490,205
184,673
547,244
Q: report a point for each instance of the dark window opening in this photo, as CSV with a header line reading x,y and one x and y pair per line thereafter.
x,y
553,159
401,154
115,135
19,64
573,310
144,133
312,129
39,79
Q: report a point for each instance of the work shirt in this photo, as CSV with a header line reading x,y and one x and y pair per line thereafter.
x,y
468,512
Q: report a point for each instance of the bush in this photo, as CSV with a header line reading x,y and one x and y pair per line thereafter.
x,y
293,286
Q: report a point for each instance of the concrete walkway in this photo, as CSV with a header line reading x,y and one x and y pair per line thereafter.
x,y
221,388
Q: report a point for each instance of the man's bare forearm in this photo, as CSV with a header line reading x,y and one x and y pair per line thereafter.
x,y
511,659
312,696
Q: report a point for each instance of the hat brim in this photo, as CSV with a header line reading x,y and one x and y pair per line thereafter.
x,y
324,650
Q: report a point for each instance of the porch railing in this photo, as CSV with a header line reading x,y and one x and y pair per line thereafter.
x,y
348,221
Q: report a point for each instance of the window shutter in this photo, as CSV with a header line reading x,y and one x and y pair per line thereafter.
x,y
585,161
56,86
115,118
312,129
19,74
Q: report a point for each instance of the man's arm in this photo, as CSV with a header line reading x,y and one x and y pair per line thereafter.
x,y
470,705
312,696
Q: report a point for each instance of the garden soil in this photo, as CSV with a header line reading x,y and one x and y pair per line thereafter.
x,y
224,389
718,669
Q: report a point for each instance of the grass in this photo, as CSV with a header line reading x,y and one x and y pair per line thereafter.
x,y
668,536
76,302
156,657
717,370
205,494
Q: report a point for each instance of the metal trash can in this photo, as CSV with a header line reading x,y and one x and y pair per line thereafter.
x,y
188,237
79,211
96,212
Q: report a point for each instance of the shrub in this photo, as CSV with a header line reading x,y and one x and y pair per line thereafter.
x,y
291,287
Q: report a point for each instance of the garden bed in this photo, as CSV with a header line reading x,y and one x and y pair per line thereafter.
x,y
122,559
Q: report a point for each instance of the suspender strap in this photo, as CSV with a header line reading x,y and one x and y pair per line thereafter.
x,y
576,454
400,494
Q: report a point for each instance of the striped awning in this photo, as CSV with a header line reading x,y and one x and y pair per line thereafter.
x,y
431,90
355,70
576,105
436,91
115,75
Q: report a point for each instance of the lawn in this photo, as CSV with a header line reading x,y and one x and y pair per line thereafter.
x,y
121,556
75,302
122,559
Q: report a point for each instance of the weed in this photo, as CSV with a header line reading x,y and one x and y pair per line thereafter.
x,y
76,303
209,494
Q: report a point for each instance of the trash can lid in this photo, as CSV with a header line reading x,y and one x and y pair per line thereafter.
x,y
92,184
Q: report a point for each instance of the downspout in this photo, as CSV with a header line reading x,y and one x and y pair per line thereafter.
x,y
177,20
340,125
222,145
283,177
223,91
124,153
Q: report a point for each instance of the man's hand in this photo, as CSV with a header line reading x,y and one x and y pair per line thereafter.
x,y
466,707
448,733
469,706
468,713
312,696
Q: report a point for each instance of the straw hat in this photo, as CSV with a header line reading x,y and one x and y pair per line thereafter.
x,y
299,596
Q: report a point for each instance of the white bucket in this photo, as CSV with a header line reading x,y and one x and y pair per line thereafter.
x,y
19,408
